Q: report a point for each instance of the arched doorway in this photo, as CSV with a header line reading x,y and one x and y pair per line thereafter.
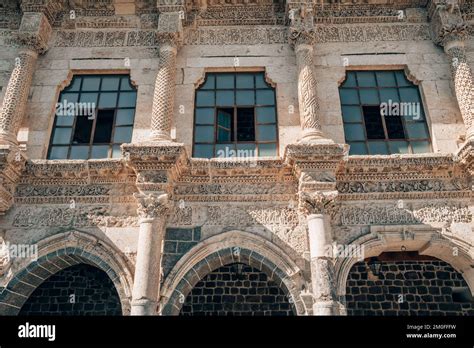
x,y
77,290
237,289
406,283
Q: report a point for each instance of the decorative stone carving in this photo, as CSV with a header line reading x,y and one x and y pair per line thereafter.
x,y
317,202
151,205
392,215
235,36
5,260
12,163
35,32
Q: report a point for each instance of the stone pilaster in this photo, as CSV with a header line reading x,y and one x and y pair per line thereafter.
x,y
449,30
316,205
301,37
169,33
153,209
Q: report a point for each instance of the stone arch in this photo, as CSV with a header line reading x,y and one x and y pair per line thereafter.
x,y
425,242
226,248
58,252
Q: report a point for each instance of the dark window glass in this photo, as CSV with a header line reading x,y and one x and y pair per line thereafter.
x,y
235,115
383,114
94,116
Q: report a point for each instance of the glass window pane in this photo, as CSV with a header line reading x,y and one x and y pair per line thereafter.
x,y
354,132
265,150
100,151
223,135
225,81
399,147
260,81
349,96
245,124
204,134
125,117
64,120
246,150
123,134
58,152
62,135
409,95
107,100
266,114
125,84
394,127
89,98
82,130
110,83
224,117
205,98
116,151
369,96
373,122
79,152
385,79
350,80
69,98
103,126
225,150
266,133
265,97
387,94
351,114
225,98
417,130
204,116
75,84
366,79
378,148
420,146
210,82
244,81
91,83
127,99
204,151
245,97
401,79
357,148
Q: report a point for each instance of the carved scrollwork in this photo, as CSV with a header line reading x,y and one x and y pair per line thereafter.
x,y
317,202
152,205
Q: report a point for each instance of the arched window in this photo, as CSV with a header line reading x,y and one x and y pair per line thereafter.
x,y
383,114
94,115
235,115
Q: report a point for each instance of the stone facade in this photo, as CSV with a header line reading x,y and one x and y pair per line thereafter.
x,y
159,222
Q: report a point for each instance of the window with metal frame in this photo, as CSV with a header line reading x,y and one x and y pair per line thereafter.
x,y
94,116
383,114
235,115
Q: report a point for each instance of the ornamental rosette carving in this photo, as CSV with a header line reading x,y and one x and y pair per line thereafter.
x,y
152,205
317,202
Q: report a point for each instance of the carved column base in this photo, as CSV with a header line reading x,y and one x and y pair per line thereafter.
x,y
314,136
160,136
326,308
143,306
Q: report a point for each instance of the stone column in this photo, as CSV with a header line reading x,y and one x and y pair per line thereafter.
x,y
322,264
153,211
16,96
301,38
449,30
163,98
463,84
32,37
169,35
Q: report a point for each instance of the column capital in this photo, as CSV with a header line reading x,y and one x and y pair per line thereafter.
x,y
317,203
35,32
447,25
301,30
152,206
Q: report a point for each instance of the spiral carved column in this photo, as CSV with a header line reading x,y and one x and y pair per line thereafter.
x,y
163,98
